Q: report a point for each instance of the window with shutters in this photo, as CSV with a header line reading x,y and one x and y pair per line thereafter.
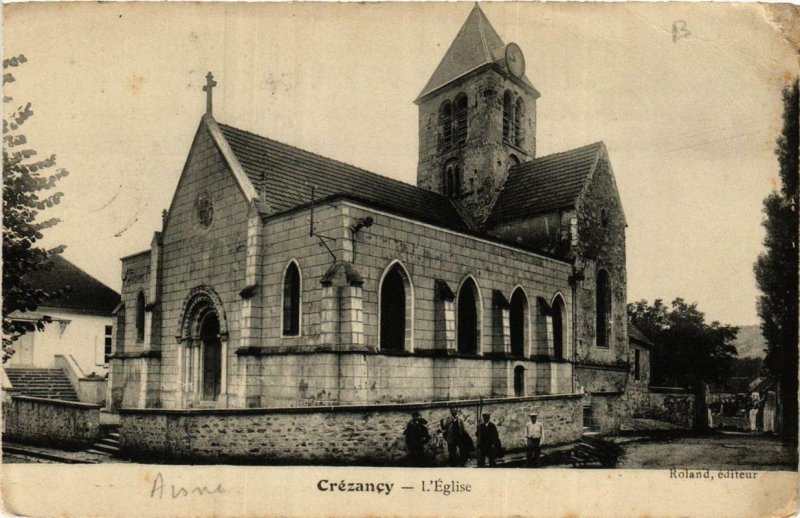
x,y
108,343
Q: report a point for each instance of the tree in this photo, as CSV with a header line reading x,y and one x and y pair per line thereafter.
x,y
687,351
24,180
776,269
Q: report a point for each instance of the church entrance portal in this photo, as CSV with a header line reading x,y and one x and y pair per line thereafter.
x,y
212,357
203,358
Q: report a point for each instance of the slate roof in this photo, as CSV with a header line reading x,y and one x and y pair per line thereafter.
x,y
636,335
477,44
284,174
85,293
546,184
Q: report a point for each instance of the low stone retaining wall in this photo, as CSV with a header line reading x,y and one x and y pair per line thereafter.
x,y
51,422
676,406
370,434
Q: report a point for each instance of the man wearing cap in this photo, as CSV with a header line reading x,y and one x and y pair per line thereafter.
x,y
534,436
416,437
454,435
488,440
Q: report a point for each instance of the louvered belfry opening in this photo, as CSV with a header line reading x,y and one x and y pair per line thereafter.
x,y
446,115
461,118
507,116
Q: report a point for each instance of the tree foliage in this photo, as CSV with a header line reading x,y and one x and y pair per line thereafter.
x,y
687,351
776,269
27,191
746,367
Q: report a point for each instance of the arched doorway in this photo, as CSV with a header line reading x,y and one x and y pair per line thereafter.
x,y
519,381
518,322
395,311
212,356
468,318
202,360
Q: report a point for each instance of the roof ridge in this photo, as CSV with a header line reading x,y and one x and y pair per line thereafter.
x,y
55,257
551,155
557,179
318,155
482,30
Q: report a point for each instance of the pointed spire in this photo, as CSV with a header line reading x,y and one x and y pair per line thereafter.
x,y
474,46
477,44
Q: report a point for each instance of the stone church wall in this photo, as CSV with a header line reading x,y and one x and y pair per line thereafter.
x,y
287,238
193,255
135,280
363,434
429,254
601,246
286,373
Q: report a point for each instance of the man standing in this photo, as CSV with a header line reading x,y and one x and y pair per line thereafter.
x,y
416,437
488,440
453,430
534,435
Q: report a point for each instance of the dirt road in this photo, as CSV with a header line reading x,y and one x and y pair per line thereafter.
x,y
734,451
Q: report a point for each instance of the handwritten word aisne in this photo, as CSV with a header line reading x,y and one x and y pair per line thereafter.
x,y
177,491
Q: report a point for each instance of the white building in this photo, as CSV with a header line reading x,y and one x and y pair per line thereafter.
x,y
82,321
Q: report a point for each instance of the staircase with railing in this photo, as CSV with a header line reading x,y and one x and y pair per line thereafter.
x,y
43,383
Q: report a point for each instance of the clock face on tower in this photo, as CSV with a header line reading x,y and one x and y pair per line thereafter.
x,y
515,61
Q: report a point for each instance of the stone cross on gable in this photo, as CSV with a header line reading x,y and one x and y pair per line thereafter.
x,y
210,84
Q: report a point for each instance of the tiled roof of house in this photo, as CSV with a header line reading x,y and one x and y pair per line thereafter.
x,y
284,175
477,44
637,336
84,292
545,184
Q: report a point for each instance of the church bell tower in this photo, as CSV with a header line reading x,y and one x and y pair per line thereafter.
x,y
477,118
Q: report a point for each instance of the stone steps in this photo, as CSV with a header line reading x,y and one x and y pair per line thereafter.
x,y
43,383
108,445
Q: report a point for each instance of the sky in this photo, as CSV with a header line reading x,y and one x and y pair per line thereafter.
x,y
689,122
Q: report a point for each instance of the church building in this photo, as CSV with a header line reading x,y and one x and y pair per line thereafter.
x,y
281,278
